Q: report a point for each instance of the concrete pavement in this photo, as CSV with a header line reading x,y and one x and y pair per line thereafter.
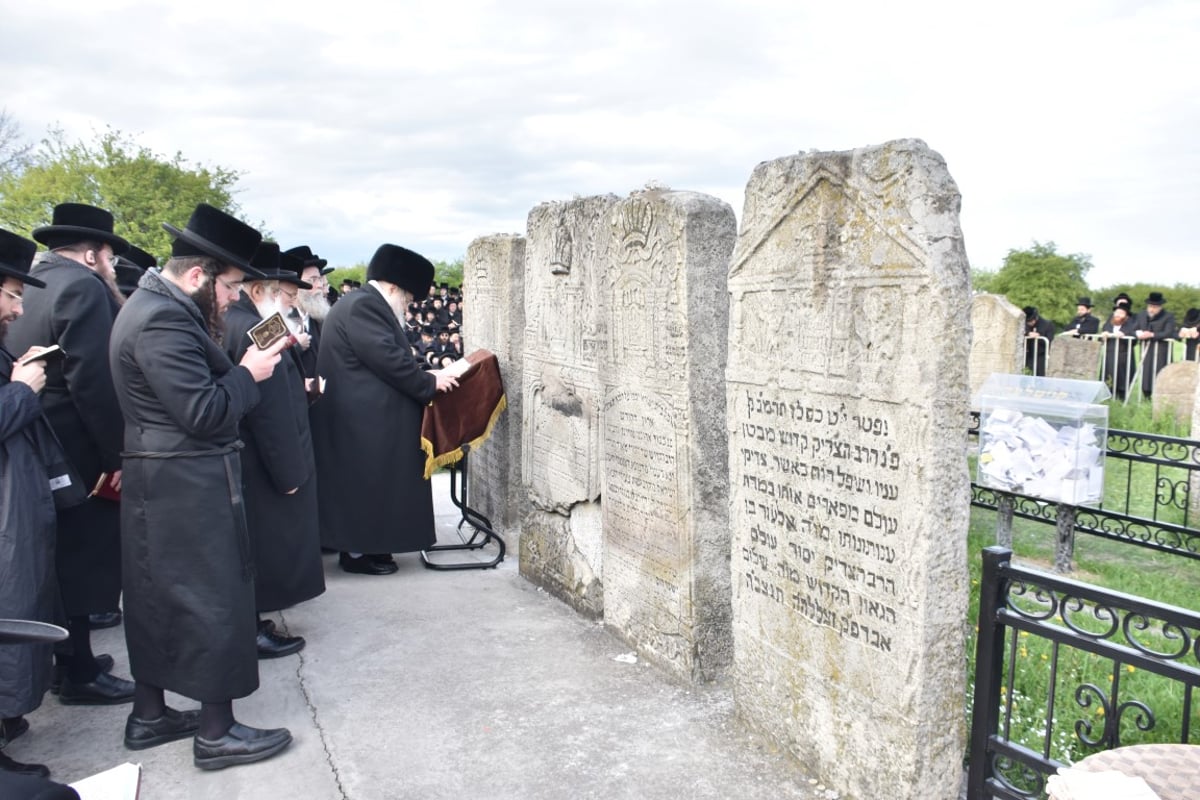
x,y
427,684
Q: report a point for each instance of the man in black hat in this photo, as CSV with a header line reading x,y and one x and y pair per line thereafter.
x,y
312,305
130,266
188,566
1189,333
278,469
1119,365
1085,322
367,425
27,584
1155,327
1038,333
76,312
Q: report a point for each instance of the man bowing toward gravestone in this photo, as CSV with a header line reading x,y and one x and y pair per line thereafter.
x,y
373,497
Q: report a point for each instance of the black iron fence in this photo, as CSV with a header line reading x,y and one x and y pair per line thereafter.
x,y
1105,660
1152,497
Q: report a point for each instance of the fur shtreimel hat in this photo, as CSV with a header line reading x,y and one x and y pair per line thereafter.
x,y
16,256
76,222
212,232
410,271
276,266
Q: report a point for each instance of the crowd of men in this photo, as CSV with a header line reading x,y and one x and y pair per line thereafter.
x,y
152,450
1153,327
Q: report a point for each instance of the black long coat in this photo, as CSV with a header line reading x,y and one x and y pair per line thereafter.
x,y
1156,351
27,586
367,431
277,458
188,571
76,311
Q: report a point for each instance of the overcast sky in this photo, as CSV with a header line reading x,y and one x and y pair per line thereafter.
x,y
430,124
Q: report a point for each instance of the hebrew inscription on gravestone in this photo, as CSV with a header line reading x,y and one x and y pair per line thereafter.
x,y
847,398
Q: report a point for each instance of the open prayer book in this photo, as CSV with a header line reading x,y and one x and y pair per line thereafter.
x,y
119,783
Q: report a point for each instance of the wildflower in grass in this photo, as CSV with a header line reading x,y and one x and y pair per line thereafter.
x,y
1130,668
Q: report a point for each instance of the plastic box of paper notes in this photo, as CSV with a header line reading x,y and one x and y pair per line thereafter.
x,y
1043,437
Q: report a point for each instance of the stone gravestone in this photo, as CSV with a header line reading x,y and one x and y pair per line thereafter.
x,y
664,452
494,319
849,485
1175,391
1078,359
997,338
565,339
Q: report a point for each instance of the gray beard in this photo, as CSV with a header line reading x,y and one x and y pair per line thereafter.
x,y
317,307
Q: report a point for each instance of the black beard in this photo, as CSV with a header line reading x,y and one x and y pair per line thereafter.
x,y
205,299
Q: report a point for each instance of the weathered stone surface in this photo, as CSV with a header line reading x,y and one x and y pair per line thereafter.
x,y
494,319
566,337
997,338
849,488
1078,359
664,451
1175,391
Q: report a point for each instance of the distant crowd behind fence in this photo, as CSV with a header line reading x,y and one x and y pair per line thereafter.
x,y
1122,361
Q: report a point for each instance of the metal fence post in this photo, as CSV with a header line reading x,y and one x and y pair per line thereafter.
x,y
989,669
1064,538
1004,519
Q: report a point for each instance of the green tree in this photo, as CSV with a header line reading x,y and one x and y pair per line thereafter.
x,y
14,150
1180,297
981,279
141,188
450,272
1042,277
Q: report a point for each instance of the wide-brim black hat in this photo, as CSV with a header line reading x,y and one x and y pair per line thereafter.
x,y
212,232
26,631
16,257
1084,301
275,266
1191,319
410,271
309,258
76,222
1156,299
139,257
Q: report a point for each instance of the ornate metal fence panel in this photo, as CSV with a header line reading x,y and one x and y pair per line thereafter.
x,y
1168,520
1110,668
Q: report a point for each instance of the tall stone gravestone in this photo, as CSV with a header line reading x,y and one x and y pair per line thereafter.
x,y
566,338
1175,392
850,493
1078,359
664,451
997,338
494,319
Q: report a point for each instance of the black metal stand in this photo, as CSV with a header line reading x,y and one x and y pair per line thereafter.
x,y
481,526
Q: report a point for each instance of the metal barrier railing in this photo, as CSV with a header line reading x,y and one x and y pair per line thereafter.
x,y
1124,362
1090,640
1168,520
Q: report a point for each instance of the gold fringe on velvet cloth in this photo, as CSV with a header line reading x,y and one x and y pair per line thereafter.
x,y
464,416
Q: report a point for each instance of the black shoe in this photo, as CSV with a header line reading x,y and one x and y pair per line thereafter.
x,y
364,565
106,690
381,558
109,619
11,729
241,744
172,725
276,645
104,661
17,768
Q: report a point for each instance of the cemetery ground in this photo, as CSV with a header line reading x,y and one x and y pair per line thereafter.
x,y
423,684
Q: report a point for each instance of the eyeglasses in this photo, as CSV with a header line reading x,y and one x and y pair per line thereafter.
x,y
16,297
290,295
232,286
